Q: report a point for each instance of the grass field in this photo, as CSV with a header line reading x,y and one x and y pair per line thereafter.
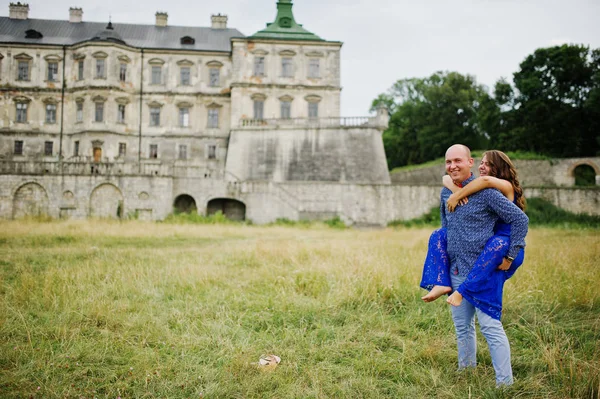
x,y
148,310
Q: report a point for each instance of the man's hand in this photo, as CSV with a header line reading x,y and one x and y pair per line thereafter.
x,y
505,264
453,202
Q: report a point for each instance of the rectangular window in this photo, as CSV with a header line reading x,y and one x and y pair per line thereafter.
x,y
80,70
23,70
182,151
52,71
50,113
76,149
99,112
313,68
79,112
213,117
18,147
259,107
121,113
214,77
259,66
122,149
123,72
153,151
48,148
154,116
185,76
184,117
287,67
100,71
156,74
212,151
313,110
286,109
21,112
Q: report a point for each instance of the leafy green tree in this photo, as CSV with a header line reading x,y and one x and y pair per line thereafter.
x,y
430,114
555,109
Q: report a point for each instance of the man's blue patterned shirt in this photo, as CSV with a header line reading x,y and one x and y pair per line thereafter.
x,y
470,226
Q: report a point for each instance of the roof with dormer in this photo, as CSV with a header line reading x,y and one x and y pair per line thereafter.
x,y
56,32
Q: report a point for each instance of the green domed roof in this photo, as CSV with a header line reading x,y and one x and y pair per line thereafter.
x,y
285,26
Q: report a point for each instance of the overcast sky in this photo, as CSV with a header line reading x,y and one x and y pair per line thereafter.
x,y
384,40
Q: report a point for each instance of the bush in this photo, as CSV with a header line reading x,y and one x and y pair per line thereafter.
x,y
195,218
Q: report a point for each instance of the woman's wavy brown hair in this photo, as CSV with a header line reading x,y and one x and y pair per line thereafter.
x,y
502,167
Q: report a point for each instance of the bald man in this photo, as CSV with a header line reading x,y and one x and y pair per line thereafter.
x,y
468,228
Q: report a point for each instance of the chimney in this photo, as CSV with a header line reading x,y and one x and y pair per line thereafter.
x,y
161,18
218,21
75,15
18,10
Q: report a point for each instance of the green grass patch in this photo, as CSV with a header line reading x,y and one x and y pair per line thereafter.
x,y
132,309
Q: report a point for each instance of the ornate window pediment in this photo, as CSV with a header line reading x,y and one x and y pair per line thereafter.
x,y
315,54
287,53
23,57
155,104
53,58
21,99
124,58
78,56
122,100
50,100
214,105
79,99
259,51
258,97
184,104
185,63
313,98
214,64
156,61
99,99
286,97
100,54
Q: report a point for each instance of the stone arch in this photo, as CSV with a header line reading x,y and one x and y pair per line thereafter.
x,y
30,199
106,201
232,208
585,173
184,203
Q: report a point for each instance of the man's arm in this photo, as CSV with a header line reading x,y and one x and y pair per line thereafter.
x,y
511,214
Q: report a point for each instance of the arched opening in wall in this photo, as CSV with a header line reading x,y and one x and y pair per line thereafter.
x,y
232,209
585,175
30,199
184,204
106,201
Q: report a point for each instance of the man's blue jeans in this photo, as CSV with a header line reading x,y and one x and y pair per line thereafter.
x,y
464,323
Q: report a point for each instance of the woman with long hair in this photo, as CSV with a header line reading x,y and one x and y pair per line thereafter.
x,y
484,284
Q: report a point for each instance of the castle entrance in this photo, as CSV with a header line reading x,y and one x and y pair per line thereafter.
x,y
231,208
184,204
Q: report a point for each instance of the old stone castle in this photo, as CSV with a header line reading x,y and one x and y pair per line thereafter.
x,y
115,120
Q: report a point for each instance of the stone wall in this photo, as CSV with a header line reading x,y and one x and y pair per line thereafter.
x,y
353,155
555,172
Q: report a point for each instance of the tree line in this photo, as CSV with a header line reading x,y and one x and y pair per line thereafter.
x,y
552,108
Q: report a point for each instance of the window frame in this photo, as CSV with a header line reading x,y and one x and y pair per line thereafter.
x,y
53,65
48,148
18,147
122,149
287,68
184,116
76,148
155,73
122,72
27,68
50,113
285,105
21,110
78,111
182,152
213,118
99,106
121,113
80,70
259,66
181,75
314,68
153,151
100,68
259,108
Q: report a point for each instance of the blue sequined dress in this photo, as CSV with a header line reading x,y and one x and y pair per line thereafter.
x,y
484,284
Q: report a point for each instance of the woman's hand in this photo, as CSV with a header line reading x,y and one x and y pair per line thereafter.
x,y
453,202
505,265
